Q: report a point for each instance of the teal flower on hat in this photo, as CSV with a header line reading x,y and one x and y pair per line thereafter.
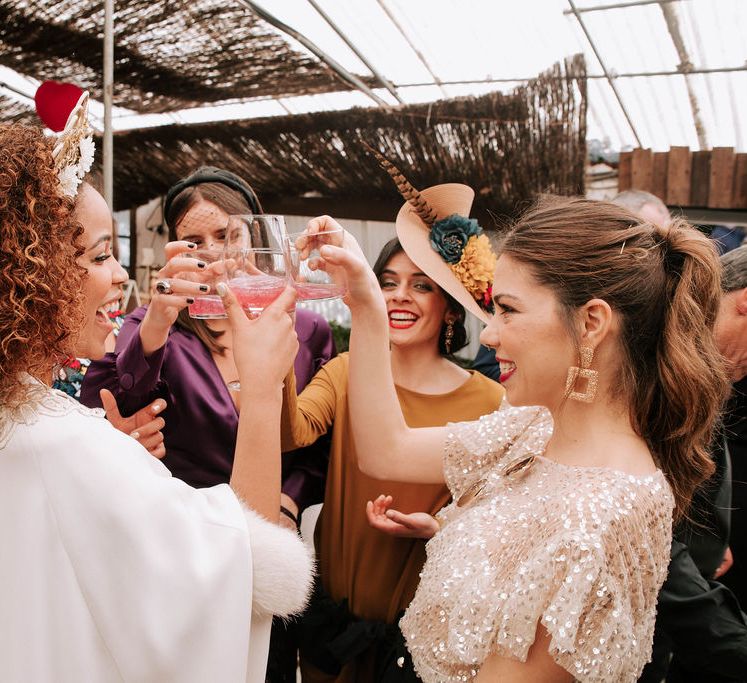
x,y
450,235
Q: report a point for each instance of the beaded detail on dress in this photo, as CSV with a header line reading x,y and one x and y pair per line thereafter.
x,y
39,400
583,550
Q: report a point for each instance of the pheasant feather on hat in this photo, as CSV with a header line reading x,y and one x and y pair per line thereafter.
x,y
437,234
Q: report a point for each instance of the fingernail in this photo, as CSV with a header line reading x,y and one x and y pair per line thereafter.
x,y
191,245
221,289
204,288
201,264
157,408
135,435
190,300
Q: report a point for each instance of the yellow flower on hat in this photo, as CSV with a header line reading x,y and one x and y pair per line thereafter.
x,y
475,268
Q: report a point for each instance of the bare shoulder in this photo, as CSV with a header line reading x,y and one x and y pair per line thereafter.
x,y
637,460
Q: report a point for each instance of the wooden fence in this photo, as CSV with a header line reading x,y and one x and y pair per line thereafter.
x,y
715,179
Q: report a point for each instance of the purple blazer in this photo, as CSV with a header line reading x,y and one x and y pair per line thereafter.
x,y
201,418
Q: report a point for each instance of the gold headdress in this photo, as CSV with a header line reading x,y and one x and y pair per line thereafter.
x,y
74,150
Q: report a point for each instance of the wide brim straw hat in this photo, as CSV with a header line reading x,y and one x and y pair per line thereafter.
x,y
415,237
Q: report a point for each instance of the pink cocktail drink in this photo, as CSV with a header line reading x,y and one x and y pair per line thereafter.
x,y
256,292
318,291
207,307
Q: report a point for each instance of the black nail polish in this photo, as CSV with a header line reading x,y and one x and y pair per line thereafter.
x,y
191,245
201,264
190,300
204,288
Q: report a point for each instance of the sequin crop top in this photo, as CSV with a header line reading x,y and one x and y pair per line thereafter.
x,y
583,550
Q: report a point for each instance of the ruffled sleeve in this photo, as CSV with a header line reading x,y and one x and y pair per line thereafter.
x,y
133,379
596,595
474,448
593,590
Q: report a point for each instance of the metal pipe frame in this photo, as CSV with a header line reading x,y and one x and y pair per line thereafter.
x,y
108,161
607,75
340,70
619,5
632,74
417,52
384,81
673,27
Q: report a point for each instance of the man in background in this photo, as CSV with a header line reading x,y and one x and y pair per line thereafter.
x,y
645,205
731,334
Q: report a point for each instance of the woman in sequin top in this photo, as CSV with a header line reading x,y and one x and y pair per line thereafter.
x,y
549,560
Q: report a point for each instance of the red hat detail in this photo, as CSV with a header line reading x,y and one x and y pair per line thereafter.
x,y
54,102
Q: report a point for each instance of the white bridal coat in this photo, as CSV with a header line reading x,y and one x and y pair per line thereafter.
x,y
113,570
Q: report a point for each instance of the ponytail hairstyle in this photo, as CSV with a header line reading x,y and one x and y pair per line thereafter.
x,y
664,284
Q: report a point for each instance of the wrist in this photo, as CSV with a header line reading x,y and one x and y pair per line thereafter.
x,y
289,514
259,392
153,334
372,304
288,502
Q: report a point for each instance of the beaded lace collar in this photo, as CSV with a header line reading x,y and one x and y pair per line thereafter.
x,y
41,400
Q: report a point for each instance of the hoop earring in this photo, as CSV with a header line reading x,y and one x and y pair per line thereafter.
x,y
591,377
449,336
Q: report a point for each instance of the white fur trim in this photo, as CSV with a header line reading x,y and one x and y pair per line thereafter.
x,y
282,568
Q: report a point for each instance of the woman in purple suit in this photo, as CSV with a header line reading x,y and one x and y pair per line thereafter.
x,y
162,352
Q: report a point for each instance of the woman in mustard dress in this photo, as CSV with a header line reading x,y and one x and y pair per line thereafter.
x,y
366,578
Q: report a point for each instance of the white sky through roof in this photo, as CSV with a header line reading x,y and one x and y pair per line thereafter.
x,y
412,43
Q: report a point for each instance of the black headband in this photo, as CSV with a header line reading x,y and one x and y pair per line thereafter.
x,y
210,174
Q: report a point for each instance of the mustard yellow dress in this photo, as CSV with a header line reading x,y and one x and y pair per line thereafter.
x,y
375,572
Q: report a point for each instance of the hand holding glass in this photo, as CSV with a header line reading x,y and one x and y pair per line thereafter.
x,y
256,259
312,280
207,306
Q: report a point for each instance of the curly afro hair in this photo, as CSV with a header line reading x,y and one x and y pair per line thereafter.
x,y
40,281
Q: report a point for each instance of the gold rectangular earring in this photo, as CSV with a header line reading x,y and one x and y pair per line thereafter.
x,y
584,372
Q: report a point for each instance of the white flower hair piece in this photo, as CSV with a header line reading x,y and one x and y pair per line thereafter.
x,y
73,153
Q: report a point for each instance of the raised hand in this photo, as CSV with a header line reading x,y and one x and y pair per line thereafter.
x,y
143,426
383,517
177,283
343,259
265,347
320,231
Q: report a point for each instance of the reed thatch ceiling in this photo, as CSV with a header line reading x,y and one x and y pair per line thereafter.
x,y
12,111
508,147
169,54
